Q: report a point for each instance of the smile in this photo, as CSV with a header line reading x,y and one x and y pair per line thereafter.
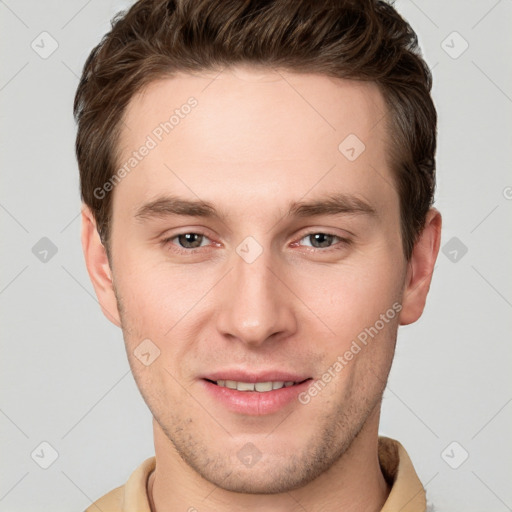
x,y
261,387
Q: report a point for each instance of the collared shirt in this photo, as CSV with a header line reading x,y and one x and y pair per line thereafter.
x,y
407,493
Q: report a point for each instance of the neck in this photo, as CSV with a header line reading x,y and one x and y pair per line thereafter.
x,y
353,484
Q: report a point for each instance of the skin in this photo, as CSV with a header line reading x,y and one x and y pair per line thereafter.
x,y
257,141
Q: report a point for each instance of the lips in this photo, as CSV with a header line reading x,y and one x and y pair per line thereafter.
x,y
255,399
262,387
253,377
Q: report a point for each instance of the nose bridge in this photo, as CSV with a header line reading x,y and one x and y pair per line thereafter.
x,y
255,305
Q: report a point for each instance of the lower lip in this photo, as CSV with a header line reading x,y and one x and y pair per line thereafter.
x,y
254,403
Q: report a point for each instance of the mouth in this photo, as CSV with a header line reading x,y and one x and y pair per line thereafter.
x,y
261,397
260,387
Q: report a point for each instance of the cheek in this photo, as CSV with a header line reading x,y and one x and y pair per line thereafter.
x,y
341,298
158,385
156,296
169,306
349,297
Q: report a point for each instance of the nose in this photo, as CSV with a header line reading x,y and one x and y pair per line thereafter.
x,y
256,303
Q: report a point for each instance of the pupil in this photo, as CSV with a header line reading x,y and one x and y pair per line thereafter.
x,y
322,239
193,240
190,240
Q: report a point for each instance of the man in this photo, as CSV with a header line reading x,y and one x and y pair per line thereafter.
x,y
258,181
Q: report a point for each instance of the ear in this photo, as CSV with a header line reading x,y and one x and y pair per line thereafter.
x,y
420,269
98,266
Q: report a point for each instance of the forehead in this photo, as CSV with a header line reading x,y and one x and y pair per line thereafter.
x,y
254,132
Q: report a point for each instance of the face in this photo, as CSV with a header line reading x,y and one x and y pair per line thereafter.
x,y
256,240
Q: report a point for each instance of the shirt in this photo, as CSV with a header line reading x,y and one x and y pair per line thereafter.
x,y
407,494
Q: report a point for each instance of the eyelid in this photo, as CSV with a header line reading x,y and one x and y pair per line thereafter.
x,y
343,241
181,250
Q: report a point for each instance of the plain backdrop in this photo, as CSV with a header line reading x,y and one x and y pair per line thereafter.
x,y
65,380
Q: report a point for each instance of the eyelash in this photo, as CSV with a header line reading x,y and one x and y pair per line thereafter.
x,y
343,242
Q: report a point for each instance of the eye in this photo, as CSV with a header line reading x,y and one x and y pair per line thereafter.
x,y
187,242
320,240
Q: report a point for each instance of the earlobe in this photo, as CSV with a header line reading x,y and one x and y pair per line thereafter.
x,y
420,269
98,266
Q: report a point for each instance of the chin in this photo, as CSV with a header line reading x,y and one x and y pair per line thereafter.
x,y
253,481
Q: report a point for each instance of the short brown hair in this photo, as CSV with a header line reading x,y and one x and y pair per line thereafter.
x,y
356,39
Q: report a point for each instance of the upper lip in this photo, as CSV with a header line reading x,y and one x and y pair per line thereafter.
x,y
253,377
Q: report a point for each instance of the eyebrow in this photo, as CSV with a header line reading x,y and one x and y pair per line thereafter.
x,y
333,204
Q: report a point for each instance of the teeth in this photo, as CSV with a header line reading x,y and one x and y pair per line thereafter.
x,y
244,386
262,387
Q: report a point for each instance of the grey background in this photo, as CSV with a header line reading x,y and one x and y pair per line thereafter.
x,y
65,379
